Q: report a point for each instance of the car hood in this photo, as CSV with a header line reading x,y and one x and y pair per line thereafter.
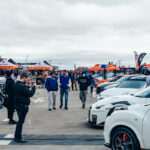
x,y
118,91
109,100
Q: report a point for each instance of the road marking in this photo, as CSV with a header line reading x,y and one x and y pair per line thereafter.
x,y
76,140
5,141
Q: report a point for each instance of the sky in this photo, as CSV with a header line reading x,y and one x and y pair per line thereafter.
x,y
81,32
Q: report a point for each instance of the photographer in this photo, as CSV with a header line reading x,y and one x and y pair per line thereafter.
x,y
22,102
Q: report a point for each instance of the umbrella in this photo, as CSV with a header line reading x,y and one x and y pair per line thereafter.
x,y
96,68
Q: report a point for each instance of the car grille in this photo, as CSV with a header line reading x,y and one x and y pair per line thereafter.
x,y
94,119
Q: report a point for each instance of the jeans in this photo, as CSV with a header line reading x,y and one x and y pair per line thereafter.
x,y
83,96
62,92
22,111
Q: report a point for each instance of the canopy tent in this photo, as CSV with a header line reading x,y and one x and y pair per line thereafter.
x,y
4,64
147,65
96,68
40,66
123,66
112,67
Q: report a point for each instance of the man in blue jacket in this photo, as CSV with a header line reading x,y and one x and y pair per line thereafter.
x,y
64,89
52,88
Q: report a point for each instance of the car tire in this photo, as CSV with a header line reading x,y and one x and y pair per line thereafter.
x,y
125,139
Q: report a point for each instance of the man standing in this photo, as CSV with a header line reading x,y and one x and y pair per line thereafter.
x,y
9,92
64,85
52,88
84,82
72,78
92,82
22,102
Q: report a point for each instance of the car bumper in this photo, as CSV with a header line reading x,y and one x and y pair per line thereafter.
x,y
95,125
94,119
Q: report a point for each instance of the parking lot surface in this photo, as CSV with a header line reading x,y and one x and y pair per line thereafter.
x,y
57,129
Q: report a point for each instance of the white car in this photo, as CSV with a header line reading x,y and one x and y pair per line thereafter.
x,y
112,83
128,128
131,86
100,110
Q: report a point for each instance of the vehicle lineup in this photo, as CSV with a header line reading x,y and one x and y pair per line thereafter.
x,y
123,109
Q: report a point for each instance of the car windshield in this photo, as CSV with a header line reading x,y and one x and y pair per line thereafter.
x,y
124,78
144,93
135,84
115,79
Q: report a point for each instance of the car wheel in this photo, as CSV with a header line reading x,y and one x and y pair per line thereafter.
x,y
124,139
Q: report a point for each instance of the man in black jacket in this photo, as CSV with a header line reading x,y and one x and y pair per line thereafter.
x,y
84,82
9,92
22,102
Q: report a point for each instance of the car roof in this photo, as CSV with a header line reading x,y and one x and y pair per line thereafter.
x,y
139,78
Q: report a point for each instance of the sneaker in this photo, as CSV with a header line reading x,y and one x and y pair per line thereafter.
x,y
20,141
54,107
49,109
66,108
60,106
12,122
83,106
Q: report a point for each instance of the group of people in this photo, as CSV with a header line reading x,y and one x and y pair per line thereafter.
x,y
53,82
18,92
17,98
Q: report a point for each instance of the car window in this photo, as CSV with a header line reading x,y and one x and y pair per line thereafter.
x,y
115,79
144,93
132,84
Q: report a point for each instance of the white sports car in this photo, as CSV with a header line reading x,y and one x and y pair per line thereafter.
x,y
100,110
127,128
131,86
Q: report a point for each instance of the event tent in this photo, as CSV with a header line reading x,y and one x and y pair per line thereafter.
x,y
4,64
96,68
112,67
40,66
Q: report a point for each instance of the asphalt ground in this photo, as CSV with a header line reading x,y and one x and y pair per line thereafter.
x,y
59,129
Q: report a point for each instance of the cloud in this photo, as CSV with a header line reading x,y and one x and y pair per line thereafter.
x,y
70,30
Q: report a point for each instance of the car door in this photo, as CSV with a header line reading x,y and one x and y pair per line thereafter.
x,y
146,128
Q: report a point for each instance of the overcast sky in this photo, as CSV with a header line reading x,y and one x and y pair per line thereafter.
x,y
75,31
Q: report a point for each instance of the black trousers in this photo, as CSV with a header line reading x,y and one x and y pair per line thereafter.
x,y
72,85
22,111
10,111
91,89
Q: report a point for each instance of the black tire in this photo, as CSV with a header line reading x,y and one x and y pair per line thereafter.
x,y
124,137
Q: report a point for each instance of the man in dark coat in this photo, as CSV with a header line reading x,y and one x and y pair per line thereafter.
x,y
84,82
22,102
9,92
72,78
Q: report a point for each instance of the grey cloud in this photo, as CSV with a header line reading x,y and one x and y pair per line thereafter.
x,y
47,27
104,2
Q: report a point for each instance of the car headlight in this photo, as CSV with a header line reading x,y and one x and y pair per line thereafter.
x,y
99,107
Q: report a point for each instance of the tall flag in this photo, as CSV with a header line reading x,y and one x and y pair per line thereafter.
x,y
136,59
140,58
